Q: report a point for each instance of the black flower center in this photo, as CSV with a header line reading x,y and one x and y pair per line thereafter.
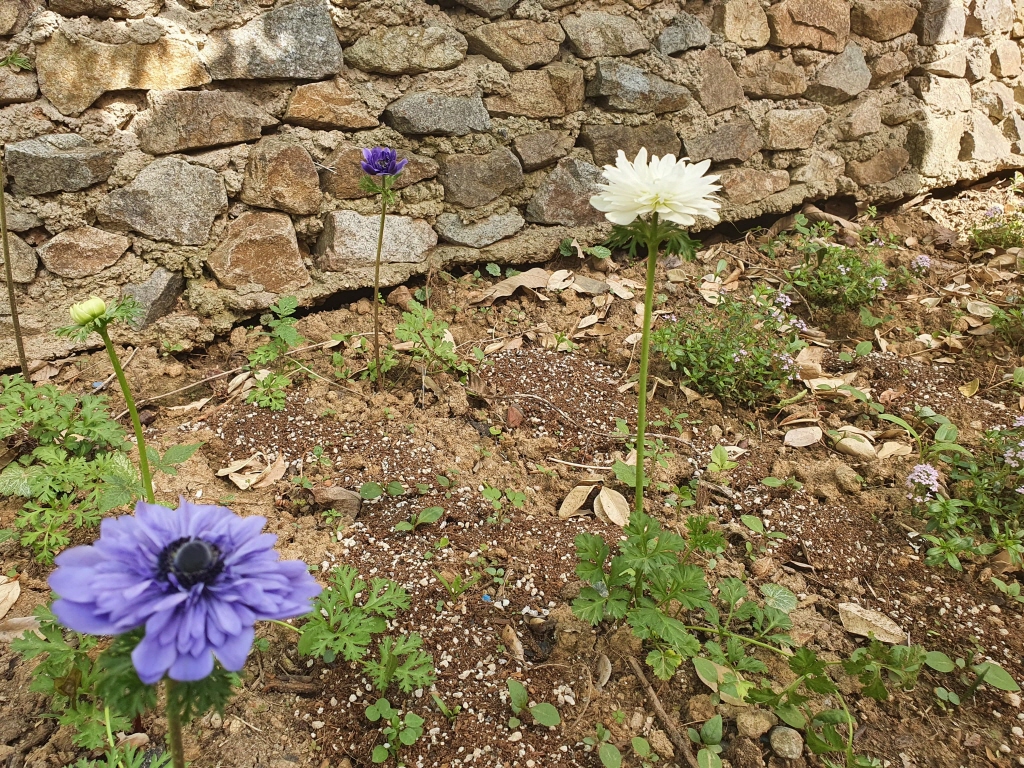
x,y
190,561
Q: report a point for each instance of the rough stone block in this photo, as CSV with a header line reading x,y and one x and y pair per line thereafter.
x,y
350,239
407,50
157,296
541,149
863,118
605,141
983,141
82,252
178,120
74,71
792,128
717,87
517,44
884,166
1006,59
820,24
953,64
842,78
564,196
592,34
934,144
742,22
260,248
748,185
17,87
888,69
994,98
685,32
736,139
328,105
481,233
23,259
280,174
62,162
626,88
767,75
169,200
111,9
989,17
343,181
940,21
554,91
882,19
438,114
475,180
943,94
489,8
823,167
979,60
291,41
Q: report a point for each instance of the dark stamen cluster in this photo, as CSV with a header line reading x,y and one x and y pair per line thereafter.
x,y
190,561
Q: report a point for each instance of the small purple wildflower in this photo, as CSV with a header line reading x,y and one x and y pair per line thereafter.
x,y
920,264
995,210
783,300
382,161
1018,421
878,283
923,482
877,243
842,269
1013,456
1021,490
197,578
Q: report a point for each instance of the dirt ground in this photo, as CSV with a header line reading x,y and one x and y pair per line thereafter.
x,y
539,419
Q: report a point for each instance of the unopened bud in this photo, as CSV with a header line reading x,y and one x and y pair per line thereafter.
x,y
87,311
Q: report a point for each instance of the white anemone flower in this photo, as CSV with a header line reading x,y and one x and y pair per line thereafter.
x,y
674,189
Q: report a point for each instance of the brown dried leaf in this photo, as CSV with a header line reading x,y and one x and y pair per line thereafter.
x,y
12,629
802,437
970,389
194,406
604,670
858,620
574,501
9,591
512,642
532,278
237,381
612,506
237,466
893,448
271,474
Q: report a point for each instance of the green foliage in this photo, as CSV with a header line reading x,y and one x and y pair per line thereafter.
x,y
16,61
1000,230
73,465
426,517
839,279
338,625
1009,323
709,737
281,334
983,511
633,238
457,586
432,344
519,700
269,391
737,350
71,674
398,731
127,757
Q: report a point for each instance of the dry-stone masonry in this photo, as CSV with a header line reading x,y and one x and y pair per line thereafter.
x,y
203,155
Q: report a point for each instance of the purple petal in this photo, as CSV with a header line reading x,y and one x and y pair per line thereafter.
x,y
151,659
233,653
82,617
189,668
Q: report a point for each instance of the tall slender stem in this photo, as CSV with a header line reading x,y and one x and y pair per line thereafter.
x,y
376,291
9,274
653,244
174,728
140,438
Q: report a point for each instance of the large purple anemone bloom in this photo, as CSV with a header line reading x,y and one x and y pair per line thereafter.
x,y
197,578
382,161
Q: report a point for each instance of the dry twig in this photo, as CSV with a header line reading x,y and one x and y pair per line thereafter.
x,y
681,743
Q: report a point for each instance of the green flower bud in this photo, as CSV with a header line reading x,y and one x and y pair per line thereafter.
x,y
87,311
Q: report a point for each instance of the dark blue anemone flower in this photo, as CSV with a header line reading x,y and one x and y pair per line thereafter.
x,y
197,578
382,161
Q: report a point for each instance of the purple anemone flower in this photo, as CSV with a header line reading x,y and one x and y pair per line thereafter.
x,y
382,161
197,578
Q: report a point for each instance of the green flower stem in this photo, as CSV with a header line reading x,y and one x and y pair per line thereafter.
x,y
286,625
9,275
653,244
174,729
140,438
376,290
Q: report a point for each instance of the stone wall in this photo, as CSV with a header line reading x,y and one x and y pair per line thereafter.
x,y
203,154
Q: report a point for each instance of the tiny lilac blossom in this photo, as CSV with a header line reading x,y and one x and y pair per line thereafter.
x,y
920,264
197,578
923,481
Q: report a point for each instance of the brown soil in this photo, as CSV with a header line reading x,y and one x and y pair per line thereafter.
x,y
537,421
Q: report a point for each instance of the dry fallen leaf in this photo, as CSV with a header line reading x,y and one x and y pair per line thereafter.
x,y
714,682
532,278
9,591
195,406
855,445
893,448
560,280
980,308
271,474
858,620
970,389
802,437
237,381
574,501
612,507
12,629
512,642
604,670
237,466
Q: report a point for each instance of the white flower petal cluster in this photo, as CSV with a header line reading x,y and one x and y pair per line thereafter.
x,y
674,189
